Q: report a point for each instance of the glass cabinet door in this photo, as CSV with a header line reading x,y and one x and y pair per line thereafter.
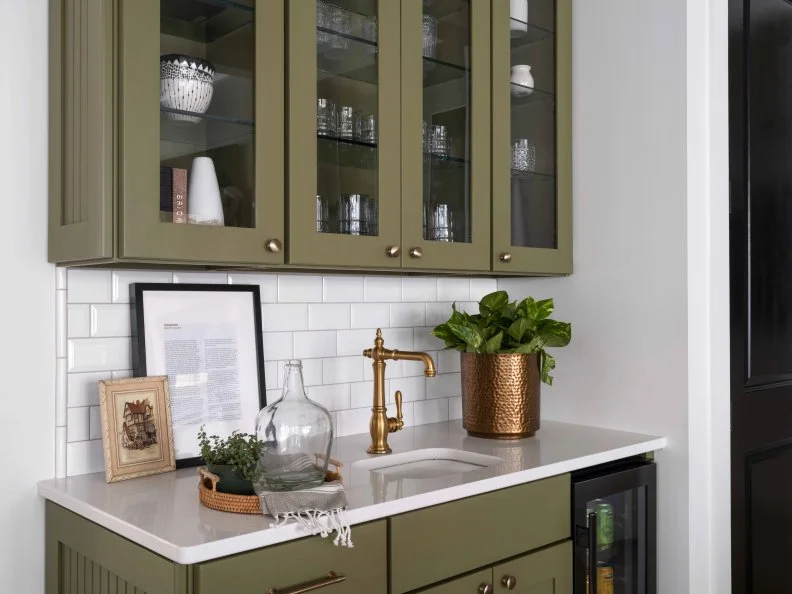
x,y
446,134
531,153
343,136
202,166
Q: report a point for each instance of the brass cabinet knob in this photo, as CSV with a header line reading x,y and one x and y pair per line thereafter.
x,y
273,245
416,252
508,582
485,589
393,251
506,257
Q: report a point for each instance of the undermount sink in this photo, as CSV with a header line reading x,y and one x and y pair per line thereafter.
x,y
427,463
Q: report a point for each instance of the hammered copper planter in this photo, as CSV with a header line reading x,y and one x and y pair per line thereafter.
x,y
500,395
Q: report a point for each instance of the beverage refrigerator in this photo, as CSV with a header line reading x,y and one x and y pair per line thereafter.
x,y
614,517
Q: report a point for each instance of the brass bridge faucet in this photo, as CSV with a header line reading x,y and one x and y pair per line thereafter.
x,y
381,424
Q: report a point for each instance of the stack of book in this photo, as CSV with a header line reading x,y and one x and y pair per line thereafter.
x,y
173,194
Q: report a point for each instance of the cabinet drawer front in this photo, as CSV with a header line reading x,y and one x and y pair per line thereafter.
x,y
470,584
439,542
300,562
548,571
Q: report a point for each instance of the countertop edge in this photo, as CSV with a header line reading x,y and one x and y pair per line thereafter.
x,y
243,543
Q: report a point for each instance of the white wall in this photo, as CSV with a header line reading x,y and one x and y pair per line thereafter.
x,y
627,365
27,312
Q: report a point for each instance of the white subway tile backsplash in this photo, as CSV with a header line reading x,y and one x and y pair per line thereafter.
x,y
326,321
94,423
352,421
83,388
84,457
426,341
279,317
320,343
121,279
482,286
98,354
337,370
430,411
343,289
110,320
210,278
78,324
412,388
329,316
268,284
454,408
382,289
449,361
77,424
438,313
278,345
332,397
444,385
299,288
88,286
453,289
407,315
419,288
370,315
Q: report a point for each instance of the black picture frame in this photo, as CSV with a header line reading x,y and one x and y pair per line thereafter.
x,y
138,323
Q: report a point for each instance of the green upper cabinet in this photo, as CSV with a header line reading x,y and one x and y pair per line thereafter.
x,y
157,97
344,190
445,112
532,136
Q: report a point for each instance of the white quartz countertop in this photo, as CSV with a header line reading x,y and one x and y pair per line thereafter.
x,y
163,514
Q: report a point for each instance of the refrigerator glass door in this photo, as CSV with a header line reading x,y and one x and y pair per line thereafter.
x,y
614,516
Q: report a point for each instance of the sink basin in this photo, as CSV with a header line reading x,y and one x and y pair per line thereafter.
x,y
429,463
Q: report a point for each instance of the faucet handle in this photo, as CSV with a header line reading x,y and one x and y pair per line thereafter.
x,y
397,424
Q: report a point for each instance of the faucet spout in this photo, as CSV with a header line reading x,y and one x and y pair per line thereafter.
x,y
429,366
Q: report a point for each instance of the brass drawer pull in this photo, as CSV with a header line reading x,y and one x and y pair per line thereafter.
x,y
485,589
416,252
273,245
509,582
393,251
506,257
330,579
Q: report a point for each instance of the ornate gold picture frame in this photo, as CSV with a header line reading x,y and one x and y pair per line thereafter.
x,y
136,427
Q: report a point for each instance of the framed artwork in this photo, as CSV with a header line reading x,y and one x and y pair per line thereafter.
x,y
207,340
136,427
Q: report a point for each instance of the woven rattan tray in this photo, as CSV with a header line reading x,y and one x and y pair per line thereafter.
x,y
240,504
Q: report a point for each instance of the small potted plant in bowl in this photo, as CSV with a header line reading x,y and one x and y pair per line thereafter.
x,y
234,460
504,362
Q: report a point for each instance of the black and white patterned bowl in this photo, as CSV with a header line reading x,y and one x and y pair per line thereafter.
x,y
186,83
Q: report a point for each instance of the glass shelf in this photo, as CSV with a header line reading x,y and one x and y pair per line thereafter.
x,y
205,132
346,152
440,10
532,35
358,61
442,162
204,21
438,72
532,175
202,116
537,96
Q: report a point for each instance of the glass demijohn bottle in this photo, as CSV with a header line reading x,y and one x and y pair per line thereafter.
x,y
297,434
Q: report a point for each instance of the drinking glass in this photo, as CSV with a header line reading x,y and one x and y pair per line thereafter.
x,y
325,117
358,214
523,155
440,226
366,128
322,214
439,141
340,22
368,31
346,122
323,21
429,36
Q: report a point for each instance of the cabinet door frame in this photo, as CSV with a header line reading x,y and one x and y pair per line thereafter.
x,y
438,255
82,130
306,246
141,235
527,259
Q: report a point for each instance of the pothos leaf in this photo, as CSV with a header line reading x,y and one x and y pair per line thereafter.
x,y
518,329
493,345
493,303
469,335
554,334
548,364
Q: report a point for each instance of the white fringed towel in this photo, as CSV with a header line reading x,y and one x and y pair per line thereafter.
x,y
319,510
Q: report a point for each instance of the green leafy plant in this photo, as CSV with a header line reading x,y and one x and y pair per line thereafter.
x,y
504,326
239,450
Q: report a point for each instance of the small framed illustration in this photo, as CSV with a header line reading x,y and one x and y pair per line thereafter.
x,y
136,427
207,340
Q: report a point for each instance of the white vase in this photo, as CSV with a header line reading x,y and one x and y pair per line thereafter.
x,y
518,11
522,80
204,206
